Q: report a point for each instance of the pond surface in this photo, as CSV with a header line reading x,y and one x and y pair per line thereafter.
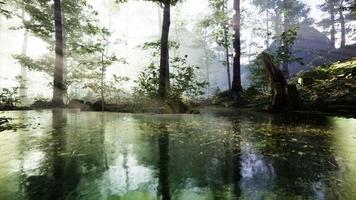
x,y
67,154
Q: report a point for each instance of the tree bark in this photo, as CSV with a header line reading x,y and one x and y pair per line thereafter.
x,y
236,83
278,84
343,27
285,96
164,61
58,77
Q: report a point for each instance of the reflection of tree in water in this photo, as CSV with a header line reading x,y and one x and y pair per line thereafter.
x,y
22,150
62,175
196,158
241,157
302,156
163,164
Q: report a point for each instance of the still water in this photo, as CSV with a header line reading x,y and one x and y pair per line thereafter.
x,y
67,154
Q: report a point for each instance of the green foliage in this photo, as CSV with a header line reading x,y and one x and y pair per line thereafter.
x,y
219,23
183,78
111,89
9,96
259,74
44,64
284,53
85,42
3,11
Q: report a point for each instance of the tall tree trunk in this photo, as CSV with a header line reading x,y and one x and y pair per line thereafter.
x,y
227,53
342,23
23,82
333,29
236,83
228,67
164,62
58,77
267,29
207,65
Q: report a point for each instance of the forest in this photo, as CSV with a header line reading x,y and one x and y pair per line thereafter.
x,y
177,99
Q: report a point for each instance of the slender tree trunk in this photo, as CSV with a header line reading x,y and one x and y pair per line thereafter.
x,y
58,77
236,84
102,77
267,29
250,47
164,62
23,82
228,67
277,28
227,53
343,27
206,54
333,29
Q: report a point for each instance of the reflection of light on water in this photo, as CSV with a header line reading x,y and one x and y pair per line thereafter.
x,y
33,161
117,182
318,189
253,164
345,144
257,174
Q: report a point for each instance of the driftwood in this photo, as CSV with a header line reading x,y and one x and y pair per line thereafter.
x,y
285,96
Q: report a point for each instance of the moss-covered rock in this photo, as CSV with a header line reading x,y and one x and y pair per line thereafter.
x,y
332,88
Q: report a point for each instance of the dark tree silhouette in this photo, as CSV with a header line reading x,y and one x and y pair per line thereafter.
x,y
236,82
58,77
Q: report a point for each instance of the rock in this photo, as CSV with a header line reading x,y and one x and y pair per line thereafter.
x,y
294,101
79,104
353,72
97,106
306,81
176,106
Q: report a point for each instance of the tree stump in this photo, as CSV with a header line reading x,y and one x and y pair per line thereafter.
x,y
285,97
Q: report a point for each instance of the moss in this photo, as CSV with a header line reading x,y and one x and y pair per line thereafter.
x,y
332,88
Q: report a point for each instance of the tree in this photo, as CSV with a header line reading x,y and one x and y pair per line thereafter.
x,y
164,82
342,23
183,77
329,6
81,37
236,83
219,23
58,76
289,14
4,11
